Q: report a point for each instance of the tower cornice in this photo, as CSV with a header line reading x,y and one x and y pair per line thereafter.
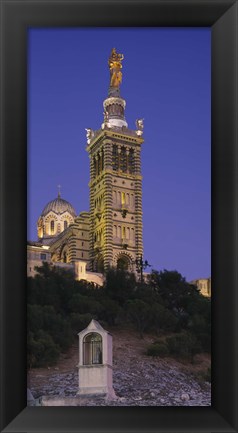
x,y
119,175
128,135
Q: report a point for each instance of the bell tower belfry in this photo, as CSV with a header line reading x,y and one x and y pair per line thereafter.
x,y
115,182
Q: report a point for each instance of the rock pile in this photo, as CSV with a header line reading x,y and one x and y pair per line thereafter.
x,y
137,380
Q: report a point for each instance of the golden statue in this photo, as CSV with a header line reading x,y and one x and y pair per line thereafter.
x,y
115,66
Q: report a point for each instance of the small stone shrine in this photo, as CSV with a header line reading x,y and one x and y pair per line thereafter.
x,y
95,361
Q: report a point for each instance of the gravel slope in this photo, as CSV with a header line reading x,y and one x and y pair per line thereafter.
x,y
138,380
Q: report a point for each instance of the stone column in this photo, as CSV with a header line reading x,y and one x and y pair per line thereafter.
x,y
108,220
91,206
138,204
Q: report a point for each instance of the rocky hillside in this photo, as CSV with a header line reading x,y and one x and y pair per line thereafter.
x,y
138,380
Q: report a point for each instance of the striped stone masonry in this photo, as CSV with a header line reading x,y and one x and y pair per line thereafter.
x,y
115,192
138,205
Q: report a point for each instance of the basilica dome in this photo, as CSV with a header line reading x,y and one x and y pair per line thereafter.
x,y
59,206
56,217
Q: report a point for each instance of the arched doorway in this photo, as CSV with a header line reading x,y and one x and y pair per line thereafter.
x,y
123,263
64,254
99,264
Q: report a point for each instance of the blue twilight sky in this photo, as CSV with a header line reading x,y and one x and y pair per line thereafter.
x,y
166,81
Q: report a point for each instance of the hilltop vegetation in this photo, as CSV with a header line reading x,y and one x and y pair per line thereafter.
x,y
166,305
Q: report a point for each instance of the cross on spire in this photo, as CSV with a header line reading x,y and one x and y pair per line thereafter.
x,y
59,193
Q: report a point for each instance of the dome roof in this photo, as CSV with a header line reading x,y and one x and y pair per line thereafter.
x,y
59,206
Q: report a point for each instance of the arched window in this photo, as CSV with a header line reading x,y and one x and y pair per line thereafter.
x,y
119,231
132,234
123,160
52,227
65,224
99,164
131,161
92,349
115,159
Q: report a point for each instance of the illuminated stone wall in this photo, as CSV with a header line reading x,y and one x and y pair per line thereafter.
x,y
73,244
115,199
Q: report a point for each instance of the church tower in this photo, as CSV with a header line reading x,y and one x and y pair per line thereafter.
x,y
115,182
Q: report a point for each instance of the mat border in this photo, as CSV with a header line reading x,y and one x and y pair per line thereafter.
x,y
16,17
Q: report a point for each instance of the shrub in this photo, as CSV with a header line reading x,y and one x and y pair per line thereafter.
x,y
207,375
42,350
200,326
158,349
112,313
162,319
184,345
45,318
139,314
79,321
83,304
205,341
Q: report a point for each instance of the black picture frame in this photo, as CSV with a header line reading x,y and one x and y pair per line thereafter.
x,y
16,17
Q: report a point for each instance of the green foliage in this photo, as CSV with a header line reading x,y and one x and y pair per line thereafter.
x,y
138,311
173,289
184,345
52,286
200,324
45,318
205,340
81,304
119,285
79,322
111,312
158,349
60,307
42,350
207,376
162,318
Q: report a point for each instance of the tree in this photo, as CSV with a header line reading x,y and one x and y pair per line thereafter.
x,y
111,312
201,327
79,322
162,319
84,304
119,285
41,350
45,318
184,345
175,292
139,313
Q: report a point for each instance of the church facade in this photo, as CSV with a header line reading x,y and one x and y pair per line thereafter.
x,y
110,234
